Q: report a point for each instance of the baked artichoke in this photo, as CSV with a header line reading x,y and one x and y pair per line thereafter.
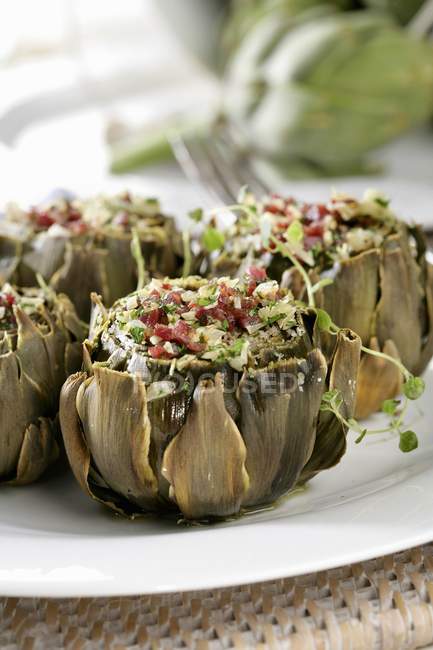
x,y
80,246
372,272
40,345
204,397
322,88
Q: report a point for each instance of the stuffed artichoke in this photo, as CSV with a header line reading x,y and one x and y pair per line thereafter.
x,y
204,397
40,345
371,268
80,246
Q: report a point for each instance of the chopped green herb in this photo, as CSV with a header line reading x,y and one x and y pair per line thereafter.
x,y
137,334
213,239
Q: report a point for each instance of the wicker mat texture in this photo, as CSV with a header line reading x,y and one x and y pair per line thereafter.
x,y
381,603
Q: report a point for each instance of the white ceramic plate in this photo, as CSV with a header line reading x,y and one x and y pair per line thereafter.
x,y
56,542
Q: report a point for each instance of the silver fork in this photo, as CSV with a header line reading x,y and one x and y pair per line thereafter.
x,y
218,165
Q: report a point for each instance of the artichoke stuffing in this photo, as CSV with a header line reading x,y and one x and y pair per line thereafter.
x,y
204,397
40,345
80,246
371,268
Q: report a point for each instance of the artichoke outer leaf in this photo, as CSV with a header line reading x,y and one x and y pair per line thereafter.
x,y
279,408
205,462
381,374
71,280
20,404
427,344
330,444
399,307
349,308
112,407
167,416
78,452
10,251
34,358
39,450
43,255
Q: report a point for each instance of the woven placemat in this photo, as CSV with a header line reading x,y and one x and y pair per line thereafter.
x,y
382,603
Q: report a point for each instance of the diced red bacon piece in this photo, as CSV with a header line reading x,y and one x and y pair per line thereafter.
x,y
151,318
158,352
164,332
314,230
9,299
272,208
74,215
257,273
174,297
44,220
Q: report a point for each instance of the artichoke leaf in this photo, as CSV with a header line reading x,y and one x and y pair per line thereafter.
x,y
399,306
167,415
78,452
112,407
378,380
20,403
34,358
39,450
279,415
330,444
78,285
351,308
427,344
44,255
205,462
10,251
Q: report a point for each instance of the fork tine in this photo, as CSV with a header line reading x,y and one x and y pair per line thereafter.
x,y
217,164
246,173
195,162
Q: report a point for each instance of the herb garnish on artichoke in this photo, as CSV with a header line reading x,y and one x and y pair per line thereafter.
x,y
368,271
40,345
205,396
80,246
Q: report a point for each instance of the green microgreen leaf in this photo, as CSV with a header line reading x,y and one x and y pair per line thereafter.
x,y
390,406
295,232
382,201
408,441
324,321
361,436
413,387
213,239
196,215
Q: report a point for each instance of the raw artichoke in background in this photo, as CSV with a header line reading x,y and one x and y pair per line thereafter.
x,y
309,86
402,10
80,246
379,282
326,87
40,345
204,397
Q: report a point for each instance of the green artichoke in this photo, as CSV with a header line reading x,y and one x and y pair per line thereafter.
x,y
204,397
40,345
80,246
403,10
372,272
325,87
